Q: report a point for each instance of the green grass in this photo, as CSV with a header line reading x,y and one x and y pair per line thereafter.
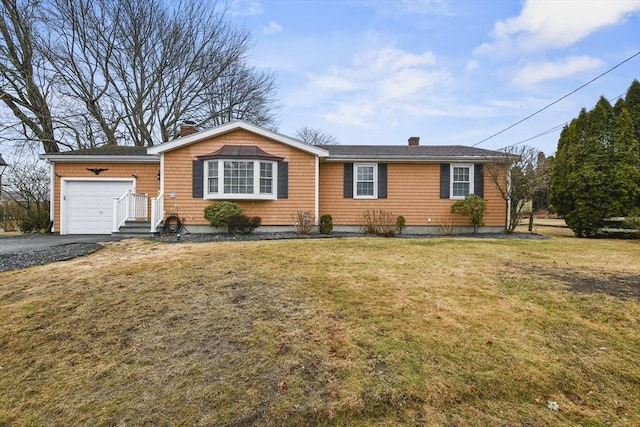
x,y
357,332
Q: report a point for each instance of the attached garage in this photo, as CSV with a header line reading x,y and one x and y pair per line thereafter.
x,y
87,205
85,182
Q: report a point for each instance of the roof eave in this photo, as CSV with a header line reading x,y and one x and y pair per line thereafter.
x,y
98,158
410,159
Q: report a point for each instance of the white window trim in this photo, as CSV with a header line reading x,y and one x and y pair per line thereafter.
x,y
355,180
256,195
471,179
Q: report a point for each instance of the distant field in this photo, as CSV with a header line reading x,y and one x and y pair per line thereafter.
x,y
354,331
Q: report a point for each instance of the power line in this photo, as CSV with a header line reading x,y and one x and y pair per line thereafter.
x,y
559,99
553,129
546,132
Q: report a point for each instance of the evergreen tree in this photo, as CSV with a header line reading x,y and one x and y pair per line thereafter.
x,y
596,172
619,105
626,176
563,196
632,103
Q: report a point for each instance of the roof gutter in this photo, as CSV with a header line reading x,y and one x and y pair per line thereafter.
x,y
412,159
96,158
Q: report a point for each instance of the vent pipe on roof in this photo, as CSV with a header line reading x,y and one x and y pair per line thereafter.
x,y
414,141
187,128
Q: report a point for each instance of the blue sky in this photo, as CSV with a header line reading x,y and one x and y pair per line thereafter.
x,y
448,71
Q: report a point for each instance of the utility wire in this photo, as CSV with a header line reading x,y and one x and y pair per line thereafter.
x,y
553,129
558,100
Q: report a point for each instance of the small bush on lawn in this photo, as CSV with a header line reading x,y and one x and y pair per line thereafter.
x,y
326,224
401,223
473,207
218,213
303,221
243,224
10,214
378,222
35,220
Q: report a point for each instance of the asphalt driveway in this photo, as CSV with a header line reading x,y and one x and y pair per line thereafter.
x,y
29,242
20,251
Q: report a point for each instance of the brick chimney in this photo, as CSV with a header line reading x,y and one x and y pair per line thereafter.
x,y
187,128
414,141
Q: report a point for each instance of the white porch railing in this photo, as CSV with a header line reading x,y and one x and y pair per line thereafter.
x,y
157,211
129,206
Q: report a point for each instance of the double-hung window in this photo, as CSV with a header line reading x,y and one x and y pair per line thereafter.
x,y
240,179
212,177
266,177
461,181
365,175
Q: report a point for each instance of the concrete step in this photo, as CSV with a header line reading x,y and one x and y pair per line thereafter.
x,y
135,229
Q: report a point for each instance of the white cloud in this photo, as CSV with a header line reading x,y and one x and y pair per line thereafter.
x,y
472,66
335,81
245,8
537,72
377,82
544,24
272,27
424,6
411,7
390,59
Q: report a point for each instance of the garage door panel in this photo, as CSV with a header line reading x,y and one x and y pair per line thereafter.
x,y
89,205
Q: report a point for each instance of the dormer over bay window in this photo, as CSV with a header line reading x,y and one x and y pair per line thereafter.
x,y
240,172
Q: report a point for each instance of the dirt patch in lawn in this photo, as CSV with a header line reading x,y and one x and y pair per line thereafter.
x,y
614,284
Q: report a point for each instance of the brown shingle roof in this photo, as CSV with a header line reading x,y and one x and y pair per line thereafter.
x,y
110,150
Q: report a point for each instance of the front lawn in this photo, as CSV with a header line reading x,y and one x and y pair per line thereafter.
x,y
353,332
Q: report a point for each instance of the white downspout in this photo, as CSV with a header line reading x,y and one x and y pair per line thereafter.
x,y
52,199
506,226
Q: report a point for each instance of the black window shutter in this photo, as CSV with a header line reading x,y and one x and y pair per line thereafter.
x,y
348,180
198,179
382,180
445,176
478,179
283,180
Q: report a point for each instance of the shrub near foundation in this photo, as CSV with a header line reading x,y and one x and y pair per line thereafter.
x,y
401,223
243,224
378,222
218,213
303,221
326,224
473,207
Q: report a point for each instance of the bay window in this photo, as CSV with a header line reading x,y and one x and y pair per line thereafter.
x,y
240,179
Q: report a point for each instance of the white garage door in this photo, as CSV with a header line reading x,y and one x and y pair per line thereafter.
x,y
89,205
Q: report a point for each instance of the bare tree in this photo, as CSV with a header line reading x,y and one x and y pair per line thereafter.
x,y
252,101
527,174
129,71
27,187
24,84
315,136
